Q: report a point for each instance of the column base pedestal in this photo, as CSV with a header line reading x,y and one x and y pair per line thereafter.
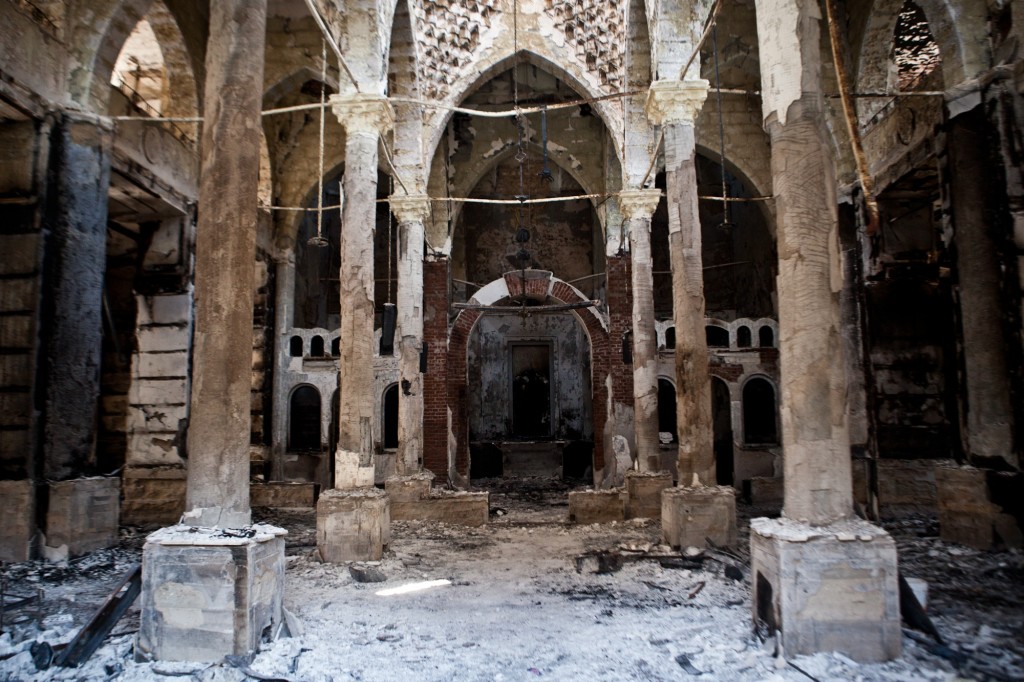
x,y
827,588
82,516
980,508
692,515
596,506
207,593
353,525
643,493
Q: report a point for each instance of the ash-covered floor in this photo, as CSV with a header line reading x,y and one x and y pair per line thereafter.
x,y
517,608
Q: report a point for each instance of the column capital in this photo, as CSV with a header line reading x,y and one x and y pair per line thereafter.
x,y
639,203
410,208
675,101
363,112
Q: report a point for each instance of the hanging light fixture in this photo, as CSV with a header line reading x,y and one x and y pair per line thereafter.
x,y
726,225
319,240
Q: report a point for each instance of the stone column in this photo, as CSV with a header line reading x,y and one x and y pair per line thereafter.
x,y
284,311
675,105
353,521
697,510
232,584
72,312
638,206
81,513
218,435
365,118
411,212
989,408
824,579
976,501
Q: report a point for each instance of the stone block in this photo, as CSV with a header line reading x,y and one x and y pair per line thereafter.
x,y
408,488
18,295
158,392
83,514
767,491
352,525
643,493
153,449
17,331
18,528
159,419
15,409
205,596
827,588
153,496
166,365
172,309
455,508
15,370
980,508
596,506
152,339
21,254
283,495
691,516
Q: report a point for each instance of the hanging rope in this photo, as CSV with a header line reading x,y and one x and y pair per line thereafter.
x,y
867,183
319,240
725,225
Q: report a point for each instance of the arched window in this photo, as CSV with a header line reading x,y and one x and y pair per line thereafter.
x,y
667,408
759,412
915,51
316,347
389,418
670,337
743,337
336,346
765,337
304,419
716,336
295,347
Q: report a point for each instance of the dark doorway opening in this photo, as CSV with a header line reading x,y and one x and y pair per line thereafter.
x,y
531,390
759,410
667,409
304,420
389,418
721,412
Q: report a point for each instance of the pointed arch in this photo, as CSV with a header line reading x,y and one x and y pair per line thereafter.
x,y
962,43
541,285
492,65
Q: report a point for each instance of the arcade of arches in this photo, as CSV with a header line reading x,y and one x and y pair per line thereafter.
x,y
506,238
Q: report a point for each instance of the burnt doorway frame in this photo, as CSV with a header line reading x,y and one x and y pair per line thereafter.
x,y
525,342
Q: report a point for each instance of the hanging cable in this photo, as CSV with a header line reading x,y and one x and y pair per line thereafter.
x,y
390,316
319,240
391,229
725,224
522,236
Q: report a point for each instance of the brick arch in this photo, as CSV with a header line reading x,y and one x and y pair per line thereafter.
x,y
539,285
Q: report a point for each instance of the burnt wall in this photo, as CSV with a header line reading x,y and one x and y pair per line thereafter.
x,y
491,381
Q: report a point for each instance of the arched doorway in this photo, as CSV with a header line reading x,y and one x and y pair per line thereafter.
x,y
304,420
667,409
759,412
528,396
721,411
389,418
